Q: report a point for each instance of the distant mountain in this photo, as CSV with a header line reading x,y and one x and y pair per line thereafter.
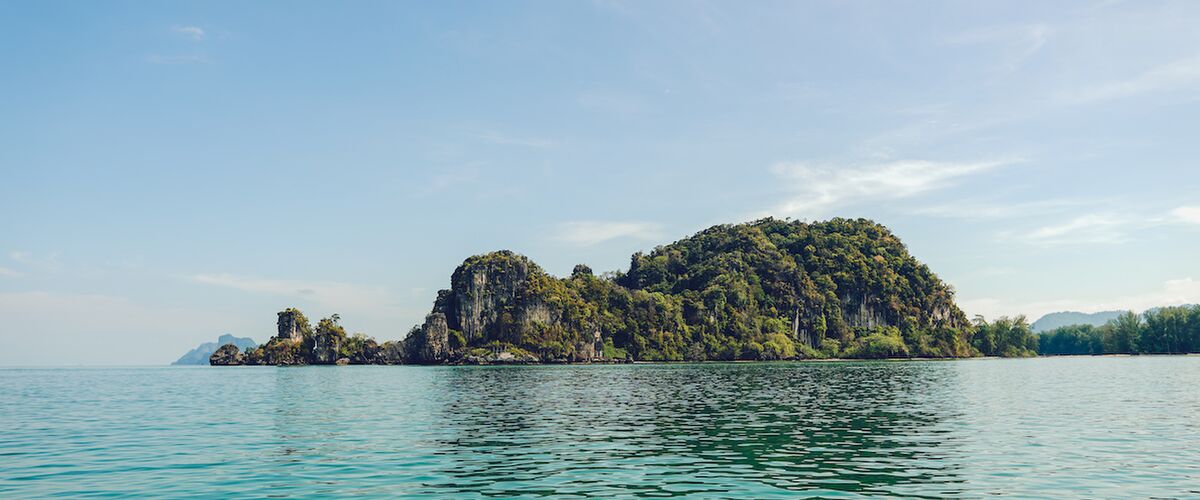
x,y
199,355
1067,318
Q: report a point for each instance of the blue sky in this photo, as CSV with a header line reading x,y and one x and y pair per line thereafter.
x,y
171,171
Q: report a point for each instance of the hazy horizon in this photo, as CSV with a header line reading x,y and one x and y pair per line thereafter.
x,y
177,171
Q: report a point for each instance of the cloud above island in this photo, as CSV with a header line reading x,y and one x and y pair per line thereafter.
x,y
817,188
587,233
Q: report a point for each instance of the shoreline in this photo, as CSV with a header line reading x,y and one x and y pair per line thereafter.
x,y
798,361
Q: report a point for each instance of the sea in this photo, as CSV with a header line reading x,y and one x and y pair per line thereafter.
x,y
1067,427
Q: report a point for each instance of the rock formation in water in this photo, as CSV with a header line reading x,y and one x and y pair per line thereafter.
x,y
764,290
200,355
227,355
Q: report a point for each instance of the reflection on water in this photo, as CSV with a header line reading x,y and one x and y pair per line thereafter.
x,y
679,429
1083,427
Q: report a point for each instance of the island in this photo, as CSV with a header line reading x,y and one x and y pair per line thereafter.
x,y
765,290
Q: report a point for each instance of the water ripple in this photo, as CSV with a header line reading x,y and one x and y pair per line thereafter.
x,y
1050,428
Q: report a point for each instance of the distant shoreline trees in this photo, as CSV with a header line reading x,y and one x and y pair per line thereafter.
x,y
1166,330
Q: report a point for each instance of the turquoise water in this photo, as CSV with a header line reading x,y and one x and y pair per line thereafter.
x,y
1062,427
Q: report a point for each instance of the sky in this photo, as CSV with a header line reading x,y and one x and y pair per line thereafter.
x,y
173,171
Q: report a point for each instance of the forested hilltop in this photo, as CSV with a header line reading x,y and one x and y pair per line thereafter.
x,y
764,290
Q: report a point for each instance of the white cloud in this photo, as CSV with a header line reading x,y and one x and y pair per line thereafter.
x,y
338,297
193,32
4,271
1189,215
586,233
820,187
1174,75
1090,228
994,210
1173,293
1103,228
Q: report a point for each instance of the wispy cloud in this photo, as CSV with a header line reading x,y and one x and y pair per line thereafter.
x,y
816,188
995,210
193,32
338,297
586,233
1188,214
1089,229
1103,227
1182,73
4,271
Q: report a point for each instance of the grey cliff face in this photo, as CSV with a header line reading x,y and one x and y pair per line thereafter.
x,y
484,290
430,344
371,354
393,353
861,312
288,326
325,349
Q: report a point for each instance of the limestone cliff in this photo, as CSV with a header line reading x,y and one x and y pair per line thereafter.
x,y
769,289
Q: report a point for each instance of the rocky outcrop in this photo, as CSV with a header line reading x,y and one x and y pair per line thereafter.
x,y
325,348
491,294
588,349
370,353
227,355
291,325
201,354
393,353
431,343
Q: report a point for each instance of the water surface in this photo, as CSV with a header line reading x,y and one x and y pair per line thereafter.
x,y
1050,427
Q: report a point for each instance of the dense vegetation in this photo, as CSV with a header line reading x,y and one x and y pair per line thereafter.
x,y
765,290
1168,330
1006,337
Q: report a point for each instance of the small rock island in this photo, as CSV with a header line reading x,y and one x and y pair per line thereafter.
x,y
765,290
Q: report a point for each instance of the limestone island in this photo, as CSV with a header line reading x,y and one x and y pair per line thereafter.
x,y
764,290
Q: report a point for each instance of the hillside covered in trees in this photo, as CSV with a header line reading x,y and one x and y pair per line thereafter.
x,y
765,290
